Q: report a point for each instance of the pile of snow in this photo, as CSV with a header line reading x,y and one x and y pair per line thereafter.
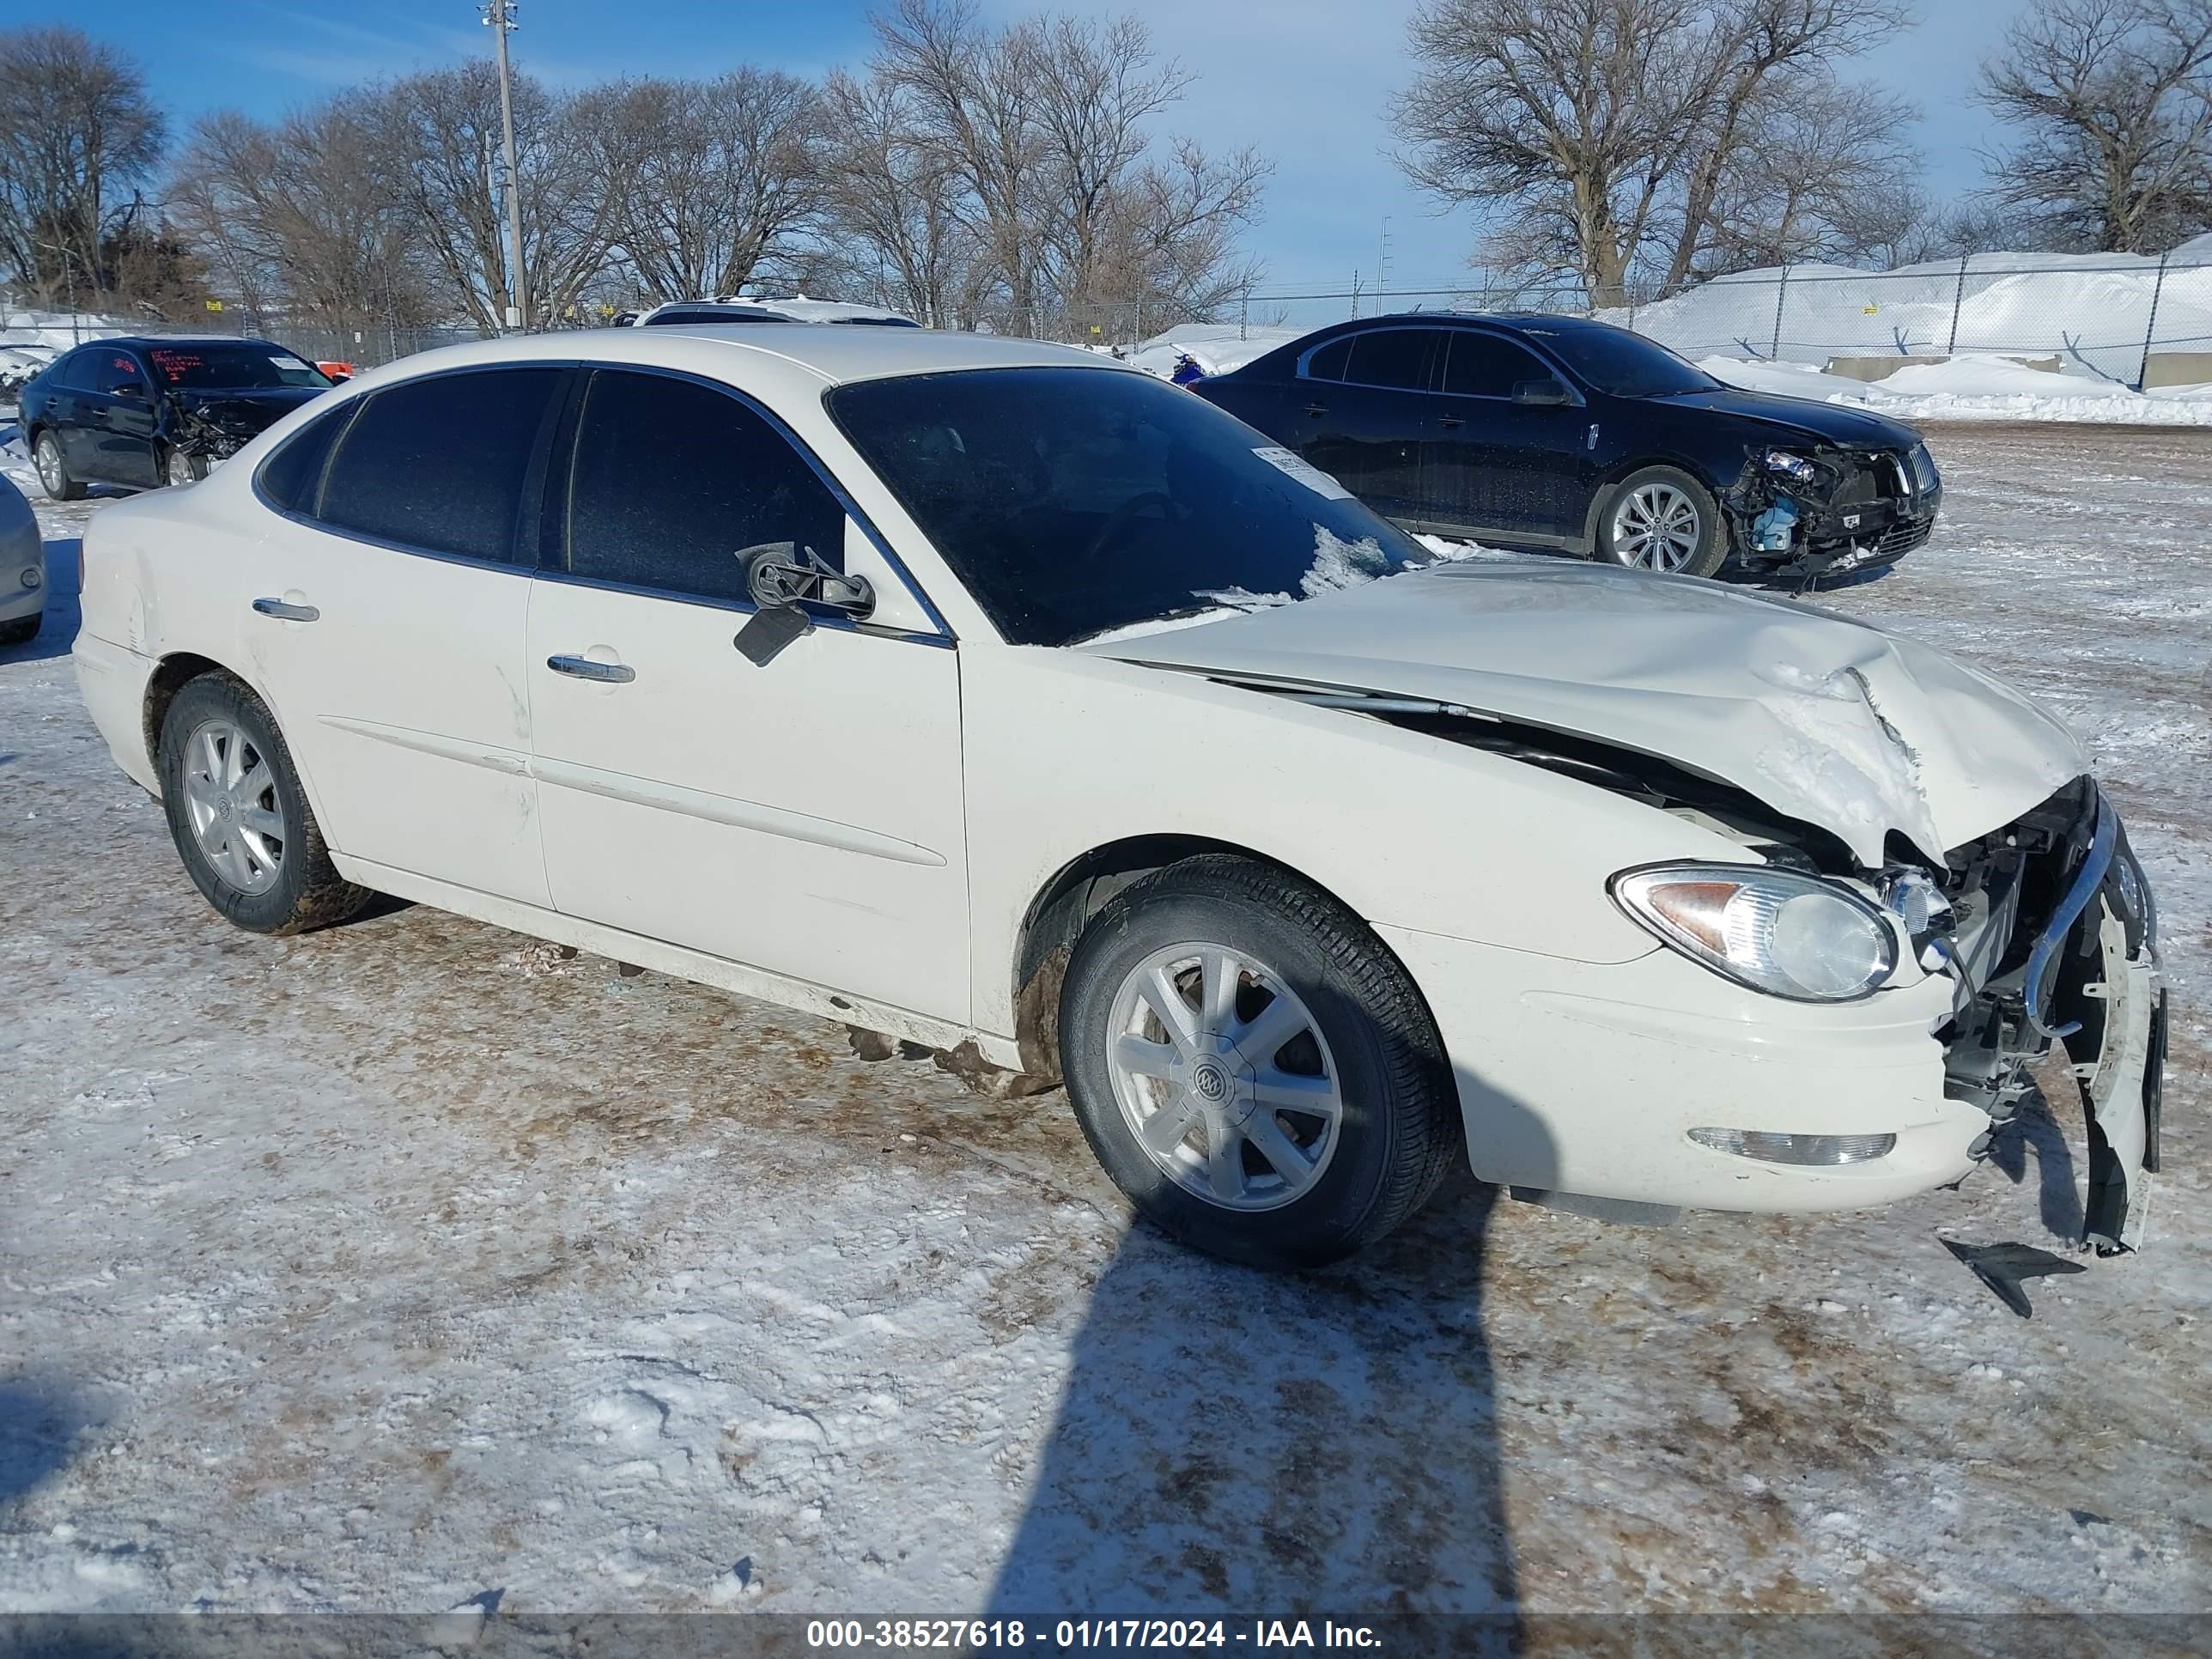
x,y
1216,348
50,332
1975,388
2094,309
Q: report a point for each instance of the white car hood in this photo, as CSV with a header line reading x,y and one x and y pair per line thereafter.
x,y
1824,719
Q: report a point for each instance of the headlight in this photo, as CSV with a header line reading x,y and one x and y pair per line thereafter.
x,y
1786,934
1794,466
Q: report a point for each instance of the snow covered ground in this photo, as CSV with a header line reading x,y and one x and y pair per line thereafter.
x,y
408,1263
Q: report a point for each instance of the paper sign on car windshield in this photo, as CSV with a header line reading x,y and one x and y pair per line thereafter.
x,y
1311,477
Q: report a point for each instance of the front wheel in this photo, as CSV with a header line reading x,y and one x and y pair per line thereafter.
x,y
1662,520
178,467
53,470
238,817
1252,1067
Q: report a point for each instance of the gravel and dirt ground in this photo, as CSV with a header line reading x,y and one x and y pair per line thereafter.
x,y
409,1263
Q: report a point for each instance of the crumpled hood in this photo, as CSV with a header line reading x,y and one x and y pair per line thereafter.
x,y
1824,719
1835,423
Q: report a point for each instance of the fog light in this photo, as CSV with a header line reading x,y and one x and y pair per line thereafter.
x,y
1769,1148
31,577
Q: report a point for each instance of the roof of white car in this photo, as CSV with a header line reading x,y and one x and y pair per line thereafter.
x,y
749,353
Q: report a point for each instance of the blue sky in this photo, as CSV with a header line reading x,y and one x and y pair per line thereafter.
x,y
1308,84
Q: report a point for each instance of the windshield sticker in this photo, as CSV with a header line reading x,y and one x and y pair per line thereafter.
x,y
1311,477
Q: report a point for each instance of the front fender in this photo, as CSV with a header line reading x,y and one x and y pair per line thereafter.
x,y
1067,752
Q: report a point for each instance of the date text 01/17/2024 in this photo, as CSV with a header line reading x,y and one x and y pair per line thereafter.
x,y
1087,1634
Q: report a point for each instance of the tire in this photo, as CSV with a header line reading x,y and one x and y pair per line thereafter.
x,y
178,467
20,631
1357,1026
224,761
53,469
1661,500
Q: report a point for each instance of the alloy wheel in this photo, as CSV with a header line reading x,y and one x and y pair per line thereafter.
x,y
237,815
1223,1077
49,461
1657,527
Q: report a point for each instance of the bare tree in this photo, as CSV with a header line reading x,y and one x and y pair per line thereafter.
x,y
1604,132
2114,100
438,138
895,209
716,174
1041,126
297,216
79,137
1824,174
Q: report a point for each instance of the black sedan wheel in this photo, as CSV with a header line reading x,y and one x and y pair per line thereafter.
x,y
53,470
1662,520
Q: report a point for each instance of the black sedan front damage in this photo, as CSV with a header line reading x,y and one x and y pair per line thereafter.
x,y
1809,514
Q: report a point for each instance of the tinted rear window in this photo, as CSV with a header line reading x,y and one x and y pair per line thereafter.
x,y
292,478
1394,357
439,464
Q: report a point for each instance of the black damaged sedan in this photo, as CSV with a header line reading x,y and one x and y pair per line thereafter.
x,y
155,411
1559,433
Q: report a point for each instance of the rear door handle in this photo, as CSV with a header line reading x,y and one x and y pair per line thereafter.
x,y
1316,409
1450,420
583,668
284,612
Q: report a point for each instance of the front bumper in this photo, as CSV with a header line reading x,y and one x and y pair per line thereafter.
x,y
1586,1079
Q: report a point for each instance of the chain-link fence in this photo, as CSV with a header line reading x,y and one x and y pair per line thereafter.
x,y
364,344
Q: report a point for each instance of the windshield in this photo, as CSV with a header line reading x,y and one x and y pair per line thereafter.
x,y
243,366
1612,360
1073,501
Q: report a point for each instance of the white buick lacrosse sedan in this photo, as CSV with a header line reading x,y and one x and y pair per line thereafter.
x,y
1002,699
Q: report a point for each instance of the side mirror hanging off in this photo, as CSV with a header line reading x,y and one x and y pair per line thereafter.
x,y
763,637
782,573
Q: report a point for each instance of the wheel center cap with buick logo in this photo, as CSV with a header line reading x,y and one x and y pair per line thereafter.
x,y
1211,1082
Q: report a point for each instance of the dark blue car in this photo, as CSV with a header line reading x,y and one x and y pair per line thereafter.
x,y
155,411
1564,434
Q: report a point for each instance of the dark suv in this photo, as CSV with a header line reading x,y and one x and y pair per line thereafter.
x,y
1556,431
155,411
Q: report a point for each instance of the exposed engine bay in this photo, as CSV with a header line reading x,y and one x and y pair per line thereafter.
x,y
215,428
1825,512
2046,926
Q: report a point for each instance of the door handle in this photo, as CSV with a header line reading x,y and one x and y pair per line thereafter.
x,y
284,612
583,668
1449,421
1316,409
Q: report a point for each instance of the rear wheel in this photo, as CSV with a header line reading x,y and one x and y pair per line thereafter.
x,y
1662,520
1252,1067
238,817
53,470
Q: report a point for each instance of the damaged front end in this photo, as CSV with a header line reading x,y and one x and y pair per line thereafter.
x,y
1813,514
213,429
2048,929
2046,926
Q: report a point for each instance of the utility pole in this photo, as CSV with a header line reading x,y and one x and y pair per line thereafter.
x,y
499,18
1383,265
